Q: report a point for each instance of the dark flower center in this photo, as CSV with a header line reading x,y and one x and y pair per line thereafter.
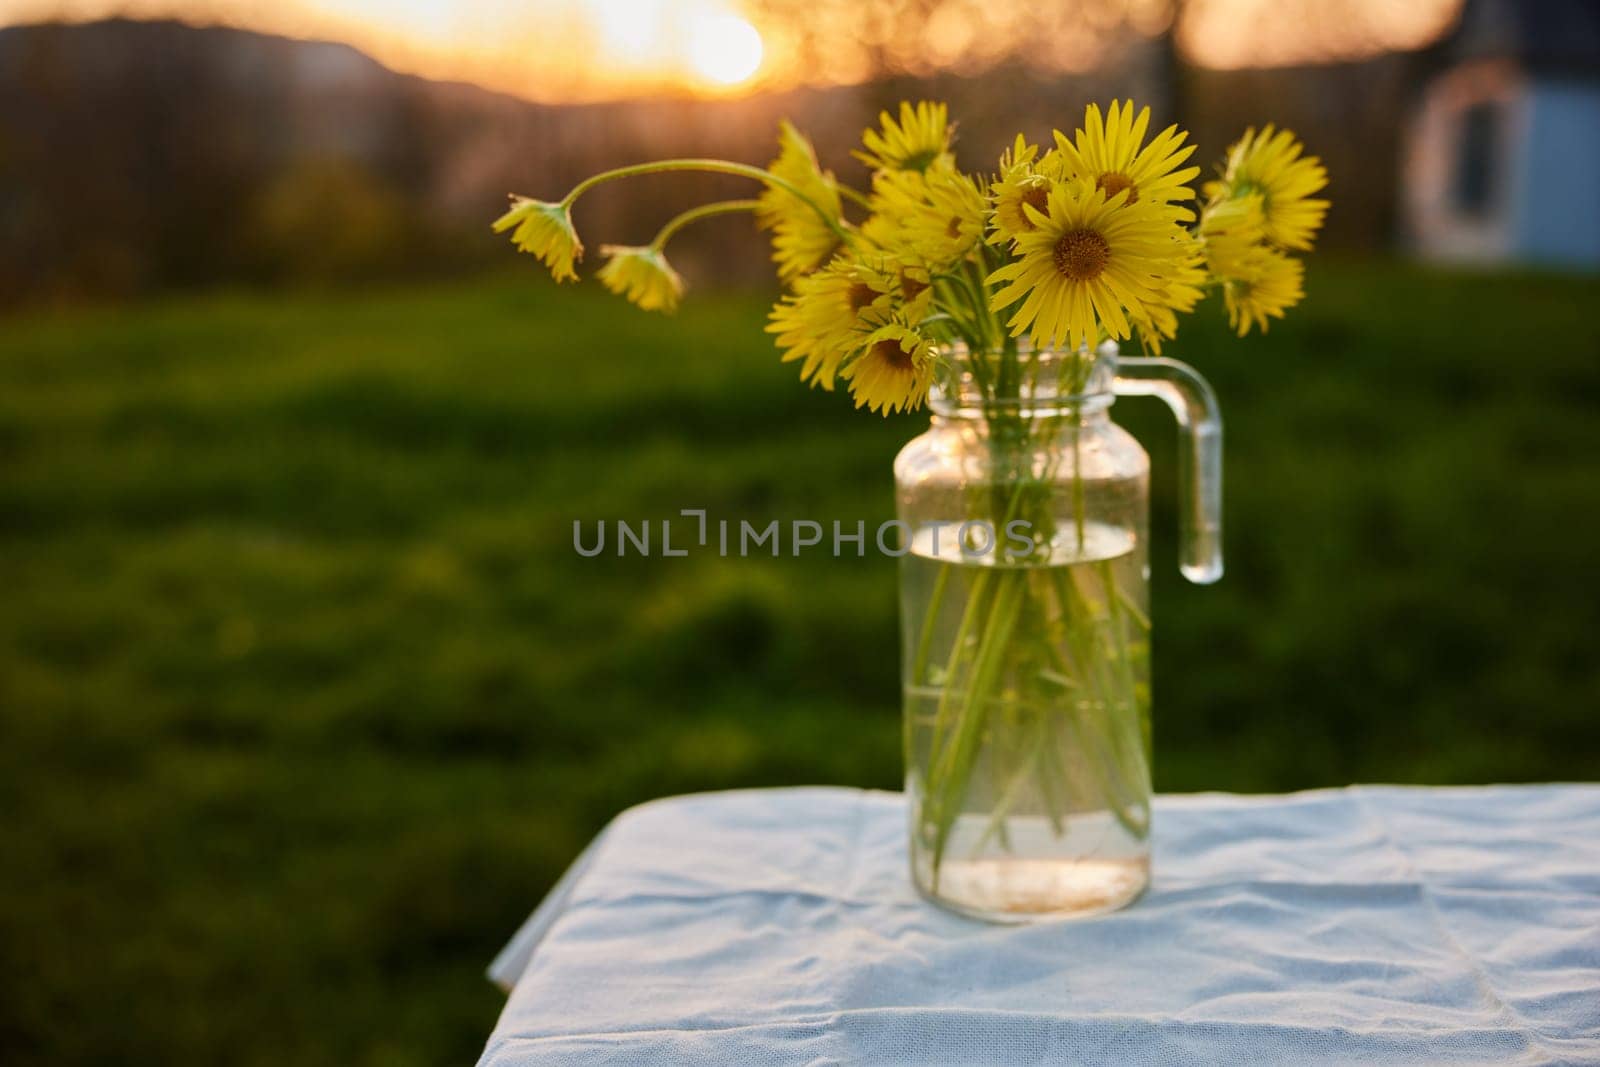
x,y
919,161
890,352
1082,255
861,295
1113,183
1036,196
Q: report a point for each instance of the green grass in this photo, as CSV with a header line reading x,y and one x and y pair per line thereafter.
x,y
305,698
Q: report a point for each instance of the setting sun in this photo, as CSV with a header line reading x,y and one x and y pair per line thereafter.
x,y
701,42
724,49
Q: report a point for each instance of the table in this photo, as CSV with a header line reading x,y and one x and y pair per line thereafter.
x,y
1387,924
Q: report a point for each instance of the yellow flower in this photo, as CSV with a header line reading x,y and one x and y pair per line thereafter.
x,y
1161,323
1269,164
895,195
545,230
1108,154
905,284
912,290
643,275
879,233
1089,262
919,140
1020,182
1233,235
947,221
1275,284
932,218
823,321
1258,280
894,370
802,238
1181,290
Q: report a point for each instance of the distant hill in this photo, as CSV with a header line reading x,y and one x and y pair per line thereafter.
x,y
142,155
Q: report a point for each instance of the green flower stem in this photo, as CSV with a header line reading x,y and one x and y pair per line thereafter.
x,y
1077,382
956,765
1106,765
854,196
980,374
1035,669
711,166
1053,774
704,211
919,666
1112,696
1123,653
981,317
951,692
1133,609
981,307
1019,779
958,649
969,332
1078,502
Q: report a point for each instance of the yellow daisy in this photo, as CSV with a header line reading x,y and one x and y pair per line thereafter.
x,y
879,232
1088,263
1233,236
1269,164
894,370
823,320
1159,324
801,237
1111,154
948,220
919,140
643,275
1181,290
1020,181
1275,284
545,230
912,290
895,195
905,284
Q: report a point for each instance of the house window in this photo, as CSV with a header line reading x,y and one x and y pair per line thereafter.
x,y
1477,152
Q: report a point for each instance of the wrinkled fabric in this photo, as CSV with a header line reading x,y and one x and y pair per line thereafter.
x,y
1393,925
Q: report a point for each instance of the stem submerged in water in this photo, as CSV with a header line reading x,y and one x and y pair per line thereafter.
x,y
1037,705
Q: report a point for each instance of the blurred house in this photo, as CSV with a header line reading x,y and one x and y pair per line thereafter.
x,y
1503,161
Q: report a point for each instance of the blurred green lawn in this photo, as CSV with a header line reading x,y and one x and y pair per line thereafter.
x,y
305,698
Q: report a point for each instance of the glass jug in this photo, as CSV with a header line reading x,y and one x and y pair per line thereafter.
x,y
1025,625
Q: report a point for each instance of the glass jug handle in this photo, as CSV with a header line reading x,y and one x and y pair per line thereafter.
x,y
1199,456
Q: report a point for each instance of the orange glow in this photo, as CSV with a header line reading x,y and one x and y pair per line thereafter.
x,y
540,49
1231,34
564,50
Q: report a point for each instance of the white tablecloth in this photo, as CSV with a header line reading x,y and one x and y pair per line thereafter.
x,y
1392,925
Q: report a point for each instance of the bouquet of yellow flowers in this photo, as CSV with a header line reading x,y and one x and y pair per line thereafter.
x,y
1025,664
1095,237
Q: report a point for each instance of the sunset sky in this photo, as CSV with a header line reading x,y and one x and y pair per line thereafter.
x,y
592,49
